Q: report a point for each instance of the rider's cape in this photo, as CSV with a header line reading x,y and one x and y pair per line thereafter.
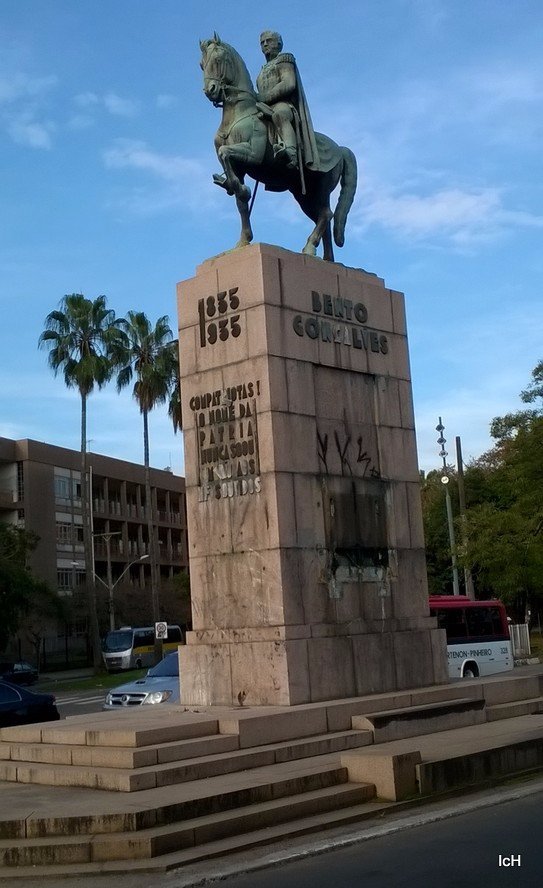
x,y
316,152
310,150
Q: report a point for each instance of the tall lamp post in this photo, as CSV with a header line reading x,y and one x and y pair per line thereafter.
x,y
110,585
450,523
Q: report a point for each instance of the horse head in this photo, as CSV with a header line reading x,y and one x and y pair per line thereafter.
x,y
225,72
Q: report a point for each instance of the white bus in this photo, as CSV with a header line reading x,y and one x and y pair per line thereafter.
x,y
478,641
134,648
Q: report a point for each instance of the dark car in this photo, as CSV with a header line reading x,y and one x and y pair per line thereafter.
x,y
19,672
21,707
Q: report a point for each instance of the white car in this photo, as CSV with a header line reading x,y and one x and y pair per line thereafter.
x,y
160,685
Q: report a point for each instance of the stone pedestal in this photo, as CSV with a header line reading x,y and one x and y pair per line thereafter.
x,y
307,566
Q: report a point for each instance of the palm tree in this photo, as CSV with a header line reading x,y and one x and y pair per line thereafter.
x,y
150,355
174,407
80,337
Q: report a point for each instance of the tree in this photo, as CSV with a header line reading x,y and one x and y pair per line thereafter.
x,y
505,518
19,590
174,407
150,355
80,336
436,533
45,605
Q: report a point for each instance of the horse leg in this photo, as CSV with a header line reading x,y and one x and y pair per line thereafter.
x,y
327,245
232,183
242,201
314,239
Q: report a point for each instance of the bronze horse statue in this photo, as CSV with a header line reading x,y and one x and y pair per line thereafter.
x,y
244,148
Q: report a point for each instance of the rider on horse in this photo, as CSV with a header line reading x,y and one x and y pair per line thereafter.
x,y
281,96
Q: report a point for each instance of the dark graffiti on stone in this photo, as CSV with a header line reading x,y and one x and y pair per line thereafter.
x,y
353,456
227,441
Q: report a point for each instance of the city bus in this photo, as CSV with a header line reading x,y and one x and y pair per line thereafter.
x,y
134,648
478,641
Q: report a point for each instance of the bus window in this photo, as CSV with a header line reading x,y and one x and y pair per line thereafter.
x,y
454,623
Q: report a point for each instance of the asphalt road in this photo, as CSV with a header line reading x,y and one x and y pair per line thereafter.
x,y
472,849
78,702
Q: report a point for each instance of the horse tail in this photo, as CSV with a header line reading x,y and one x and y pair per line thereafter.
x,y
346,195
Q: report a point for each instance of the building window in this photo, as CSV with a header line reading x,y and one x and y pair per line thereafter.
x,y
64,533
65,580
62,487
20,481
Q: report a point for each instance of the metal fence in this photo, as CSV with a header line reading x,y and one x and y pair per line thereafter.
x,y
520,640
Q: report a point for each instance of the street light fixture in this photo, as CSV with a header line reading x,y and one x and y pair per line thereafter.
x,y
445,481
110,586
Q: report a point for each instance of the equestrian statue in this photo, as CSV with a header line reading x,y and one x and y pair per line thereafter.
x,y
268,135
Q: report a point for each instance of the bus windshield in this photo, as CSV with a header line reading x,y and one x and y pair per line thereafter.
x,y
120,640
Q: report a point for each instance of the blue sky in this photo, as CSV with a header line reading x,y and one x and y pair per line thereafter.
x,y
106,158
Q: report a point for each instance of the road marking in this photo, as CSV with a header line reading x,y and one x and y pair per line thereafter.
x,y
79,701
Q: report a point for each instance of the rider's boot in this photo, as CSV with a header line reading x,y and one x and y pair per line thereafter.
x,y
286,154
220,179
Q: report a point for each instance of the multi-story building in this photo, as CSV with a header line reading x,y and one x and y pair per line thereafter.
x,y
40,490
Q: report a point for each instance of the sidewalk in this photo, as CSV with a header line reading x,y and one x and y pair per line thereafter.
x,y
64,676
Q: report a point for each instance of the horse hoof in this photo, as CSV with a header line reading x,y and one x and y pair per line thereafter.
x,y
243,242
310,250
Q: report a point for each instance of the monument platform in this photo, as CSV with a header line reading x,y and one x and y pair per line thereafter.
x,y
308,577
74,799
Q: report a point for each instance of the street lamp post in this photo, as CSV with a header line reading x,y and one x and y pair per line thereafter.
x,y
450,523
110,585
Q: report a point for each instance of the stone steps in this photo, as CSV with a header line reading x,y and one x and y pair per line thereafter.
x,y
26,765
449,760
193,815
238,841
514,708
190,833
427,718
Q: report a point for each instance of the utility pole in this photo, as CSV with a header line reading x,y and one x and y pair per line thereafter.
x,y
468,579
450,523
110,585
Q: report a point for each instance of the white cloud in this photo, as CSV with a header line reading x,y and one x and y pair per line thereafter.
x,y
86,100
183,180
136,154
462,217
119,106
110,102
20,86
80,121
24,130
22,99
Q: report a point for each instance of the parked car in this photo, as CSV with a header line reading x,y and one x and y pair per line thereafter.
x,y
18,706
159,685
19,673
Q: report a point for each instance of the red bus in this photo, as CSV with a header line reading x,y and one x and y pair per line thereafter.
x,y
478,640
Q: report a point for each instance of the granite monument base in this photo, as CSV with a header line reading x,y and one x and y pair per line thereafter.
x,y
308,578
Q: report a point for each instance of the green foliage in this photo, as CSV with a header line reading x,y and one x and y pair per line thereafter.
x,y
501,538
80,336
505,516
150,356
21,594
436,533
